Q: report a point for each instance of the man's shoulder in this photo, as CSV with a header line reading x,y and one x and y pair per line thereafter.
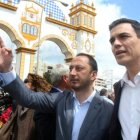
x,y
104,105
118,83
108,100
67,93
103,101
99,98
63,95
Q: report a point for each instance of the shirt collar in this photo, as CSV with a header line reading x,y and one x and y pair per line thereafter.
x,y
125,78
89,99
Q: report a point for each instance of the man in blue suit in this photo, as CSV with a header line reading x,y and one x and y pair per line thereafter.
x,y
80,115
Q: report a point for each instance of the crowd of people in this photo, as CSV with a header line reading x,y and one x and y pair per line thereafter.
x,y
70,108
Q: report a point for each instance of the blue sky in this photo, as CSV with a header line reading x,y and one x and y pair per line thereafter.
x,y
131,8
114,9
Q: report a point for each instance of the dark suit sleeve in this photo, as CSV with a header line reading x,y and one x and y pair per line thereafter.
x,y
31,99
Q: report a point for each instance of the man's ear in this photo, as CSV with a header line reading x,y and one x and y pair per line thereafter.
x,y
93,75
65,78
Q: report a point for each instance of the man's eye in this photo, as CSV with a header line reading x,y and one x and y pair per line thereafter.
x,y
70,69
111,40
124,37
79,68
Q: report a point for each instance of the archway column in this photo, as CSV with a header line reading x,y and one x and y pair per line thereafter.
x,y
25,61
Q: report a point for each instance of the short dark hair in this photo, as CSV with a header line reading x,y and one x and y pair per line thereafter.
x,y
135,24
103,92
92,61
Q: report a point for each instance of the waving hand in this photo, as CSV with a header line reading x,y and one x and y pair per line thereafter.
x,y
6,57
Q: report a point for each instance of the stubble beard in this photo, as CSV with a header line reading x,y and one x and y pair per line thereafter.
x,y
82,87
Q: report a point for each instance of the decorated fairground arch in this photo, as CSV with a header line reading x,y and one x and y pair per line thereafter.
x,y
31,22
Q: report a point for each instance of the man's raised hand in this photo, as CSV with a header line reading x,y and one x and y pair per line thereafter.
x,y
6,57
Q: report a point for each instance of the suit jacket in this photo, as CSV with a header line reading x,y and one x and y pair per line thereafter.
x,y
115,127
25,127
95,125
45,123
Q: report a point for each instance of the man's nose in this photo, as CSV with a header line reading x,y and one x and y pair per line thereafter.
x,y
73,71
117,43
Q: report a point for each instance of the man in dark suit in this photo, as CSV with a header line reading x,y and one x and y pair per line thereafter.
x,y
80,115
125,41
45,122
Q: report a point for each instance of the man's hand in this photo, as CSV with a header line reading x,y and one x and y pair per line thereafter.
x,y
6,57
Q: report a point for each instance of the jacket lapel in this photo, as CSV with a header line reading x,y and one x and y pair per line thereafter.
x,y
139,135
90,116
22,110
69,116
115,128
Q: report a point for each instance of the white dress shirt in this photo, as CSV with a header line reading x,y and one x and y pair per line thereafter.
x,y
80,111
129,108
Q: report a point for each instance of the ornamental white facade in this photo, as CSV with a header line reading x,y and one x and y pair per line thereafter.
x,y
31,22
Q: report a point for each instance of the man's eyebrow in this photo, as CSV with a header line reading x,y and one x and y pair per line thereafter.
x,y
118,35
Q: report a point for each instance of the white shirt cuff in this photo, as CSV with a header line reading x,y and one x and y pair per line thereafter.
x,y
7,78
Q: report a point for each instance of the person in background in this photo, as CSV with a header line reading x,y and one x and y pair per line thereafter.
x,y
45,122
5,107
104,94
81,114
24,121
125,42
111,95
